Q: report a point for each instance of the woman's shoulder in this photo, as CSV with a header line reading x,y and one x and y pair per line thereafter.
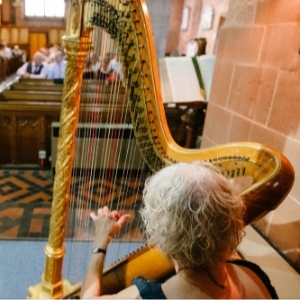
x,y
129,293
148,289
251,273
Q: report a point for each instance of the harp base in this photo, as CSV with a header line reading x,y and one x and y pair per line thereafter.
x,y
35,292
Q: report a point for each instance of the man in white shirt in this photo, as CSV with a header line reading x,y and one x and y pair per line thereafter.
x,y
58,67
7,53
35,69
115,67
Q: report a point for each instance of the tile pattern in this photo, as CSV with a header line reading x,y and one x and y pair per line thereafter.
x,y
26,199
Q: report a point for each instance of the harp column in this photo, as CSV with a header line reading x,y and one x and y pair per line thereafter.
x,y
76,44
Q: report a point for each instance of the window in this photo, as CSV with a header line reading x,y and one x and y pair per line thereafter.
x,y
45,8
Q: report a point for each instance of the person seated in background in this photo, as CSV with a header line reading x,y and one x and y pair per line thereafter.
x,y
7,52
88,72
194,215
94,62
115,68
56,70
16,51
45,52
103,71
35,68
52,50
2,54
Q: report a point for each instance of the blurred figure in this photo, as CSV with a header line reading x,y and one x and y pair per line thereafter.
x,y
7,53
57,68
44,51
2,54
103,71
88,72
115,68
51,52
16,50
34,69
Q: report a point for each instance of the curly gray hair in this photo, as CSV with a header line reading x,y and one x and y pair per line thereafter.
x,y
193,214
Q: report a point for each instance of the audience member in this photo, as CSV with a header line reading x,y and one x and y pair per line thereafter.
x,y
88,72
51,52
115,68
35,69
96,63
16,50
2,54
93,60
103,71
57,68
7,52
194,216
52,49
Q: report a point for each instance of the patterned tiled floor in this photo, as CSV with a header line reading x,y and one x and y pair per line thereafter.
x,y
26,197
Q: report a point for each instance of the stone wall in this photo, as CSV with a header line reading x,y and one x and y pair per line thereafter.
x,y
159,11
255,97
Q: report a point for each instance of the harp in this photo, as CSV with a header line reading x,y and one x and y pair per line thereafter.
x,y
127,23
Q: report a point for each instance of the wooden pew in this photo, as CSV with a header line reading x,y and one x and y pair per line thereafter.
x,y
25,127
9,66
26,84
13,64
23,86
20,86
30,95
3,68
34,81
26,115
56,96
52,82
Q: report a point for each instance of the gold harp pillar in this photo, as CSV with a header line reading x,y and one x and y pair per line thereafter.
x,y
76,44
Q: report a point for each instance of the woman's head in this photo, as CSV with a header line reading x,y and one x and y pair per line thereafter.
x,y
193,214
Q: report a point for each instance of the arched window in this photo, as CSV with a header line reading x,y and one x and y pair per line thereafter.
x,y
45,8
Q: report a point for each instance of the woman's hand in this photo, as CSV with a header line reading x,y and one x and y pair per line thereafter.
x,y
107,225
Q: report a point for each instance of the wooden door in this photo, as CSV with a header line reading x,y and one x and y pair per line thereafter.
x,y
37,41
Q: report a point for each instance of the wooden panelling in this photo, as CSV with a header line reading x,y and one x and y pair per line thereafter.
x,y
14,34
37,41
5,34
5,12
24,36
55,36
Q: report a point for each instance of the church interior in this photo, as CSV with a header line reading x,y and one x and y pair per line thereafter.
x,y
227,72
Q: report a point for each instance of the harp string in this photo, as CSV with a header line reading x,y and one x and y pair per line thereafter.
x,y
103,189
